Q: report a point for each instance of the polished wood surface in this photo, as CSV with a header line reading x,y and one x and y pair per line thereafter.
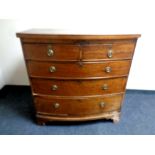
x,y
78,70
61,52
77,77
85,106
78,87
71,52
113,115
100,51
54,34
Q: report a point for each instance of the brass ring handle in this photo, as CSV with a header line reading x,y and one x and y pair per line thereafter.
x,y
105,87
109,54
108,69
54,87
56,105
102,104
50,52
52,69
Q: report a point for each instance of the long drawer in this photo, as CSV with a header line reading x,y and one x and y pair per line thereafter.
x,y
90,52
78,87
78,70
83,106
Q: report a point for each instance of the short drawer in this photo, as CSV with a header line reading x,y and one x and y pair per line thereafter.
x,y
78,70
113,51
51,52
83,106
78,87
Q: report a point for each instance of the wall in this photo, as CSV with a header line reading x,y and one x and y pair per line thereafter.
x,y
1,80
12,65
110,17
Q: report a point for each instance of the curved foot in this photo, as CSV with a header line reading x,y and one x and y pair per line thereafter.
x,y
116,118
41,122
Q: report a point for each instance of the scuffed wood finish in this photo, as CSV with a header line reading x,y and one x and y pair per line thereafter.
x,y
78,87
78,70
74,107
80,62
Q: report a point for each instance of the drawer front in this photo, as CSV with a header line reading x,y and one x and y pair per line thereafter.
x,y
109,51
90,52
85,106
78,87
51,52
75,70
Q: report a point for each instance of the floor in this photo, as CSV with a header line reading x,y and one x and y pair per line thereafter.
x,y
17,116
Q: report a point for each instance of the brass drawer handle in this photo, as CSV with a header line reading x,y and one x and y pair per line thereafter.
x,y
105,87
102,104
108,69
54,87
52,69
56,105
109,54
50,52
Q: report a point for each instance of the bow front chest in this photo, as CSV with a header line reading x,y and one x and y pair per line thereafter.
x,y
77,77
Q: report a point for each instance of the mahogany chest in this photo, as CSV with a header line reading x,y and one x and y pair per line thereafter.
x,y
77,77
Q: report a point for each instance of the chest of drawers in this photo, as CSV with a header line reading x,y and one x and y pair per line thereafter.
x,y
77,77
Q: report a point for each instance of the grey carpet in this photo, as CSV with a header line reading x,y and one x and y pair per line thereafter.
x,y
17,116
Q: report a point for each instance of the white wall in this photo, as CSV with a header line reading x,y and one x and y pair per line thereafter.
x,y
12,65
108,17
1,80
